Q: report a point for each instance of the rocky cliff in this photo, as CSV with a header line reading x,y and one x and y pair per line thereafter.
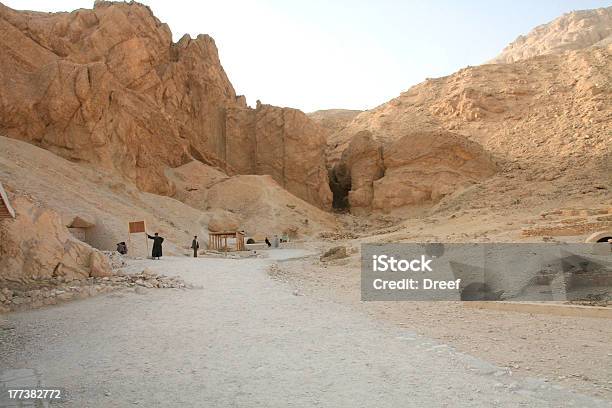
x,y
572,31
108,87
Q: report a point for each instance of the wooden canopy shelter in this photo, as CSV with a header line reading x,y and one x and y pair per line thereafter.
x,y
6,211
218,240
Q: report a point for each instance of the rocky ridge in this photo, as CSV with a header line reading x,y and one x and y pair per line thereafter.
x,y
572,31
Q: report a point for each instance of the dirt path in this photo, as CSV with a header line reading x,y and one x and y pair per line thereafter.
x,y
245,340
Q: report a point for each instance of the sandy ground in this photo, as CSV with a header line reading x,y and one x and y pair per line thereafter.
x,y
245,340
571,351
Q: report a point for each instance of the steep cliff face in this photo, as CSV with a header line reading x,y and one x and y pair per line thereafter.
x,y
108,87
291,148
572,31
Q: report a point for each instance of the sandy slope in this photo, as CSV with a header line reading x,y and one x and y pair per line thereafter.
x,y
260,205
74,189
245,340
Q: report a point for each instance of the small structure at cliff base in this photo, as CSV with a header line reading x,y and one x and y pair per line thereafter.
x,y
80,227
219,240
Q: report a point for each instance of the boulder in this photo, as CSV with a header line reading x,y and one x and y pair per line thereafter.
x,y
337,252
99,265
37,245
423,167
224,221
417,169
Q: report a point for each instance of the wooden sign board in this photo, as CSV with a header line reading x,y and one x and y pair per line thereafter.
x,y
137,226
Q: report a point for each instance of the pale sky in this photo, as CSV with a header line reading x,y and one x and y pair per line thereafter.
x,y
352,54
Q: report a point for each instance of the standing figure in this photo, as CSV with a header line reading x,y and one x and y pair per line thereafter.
x,y
268,242
195,245
156,253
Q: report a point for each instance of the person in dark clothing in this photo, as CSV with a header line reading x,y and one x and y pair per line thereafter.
x,y
268,242
122,248
195,245
156,253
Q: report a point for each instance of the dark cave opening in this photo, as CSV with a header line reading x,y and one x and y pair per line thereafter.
x,y
340,185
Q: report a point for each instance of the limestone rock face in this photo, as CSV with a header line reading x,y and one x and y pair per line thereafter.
x,y
36,245
291,148
108,87
417,169
333,121
571,31
424,167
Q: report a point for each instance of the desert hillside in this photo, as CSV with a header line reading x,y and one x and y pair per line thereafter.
x,y
572,31
544,120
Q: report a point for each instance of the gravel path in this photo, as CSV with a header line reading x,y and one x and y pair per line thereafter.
x,y
245,340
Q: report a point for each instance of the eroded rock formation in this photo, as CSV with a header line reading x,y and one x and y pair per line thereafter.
x,y
108,86
572,31
423,167
418,169
37,245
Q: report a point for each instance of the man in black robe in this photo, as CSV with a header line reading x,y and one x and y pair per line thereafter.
x,y
156,253
195,245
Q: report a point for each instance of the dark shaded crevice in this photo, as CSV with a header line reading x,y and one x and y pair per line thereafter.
x,y
340,185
